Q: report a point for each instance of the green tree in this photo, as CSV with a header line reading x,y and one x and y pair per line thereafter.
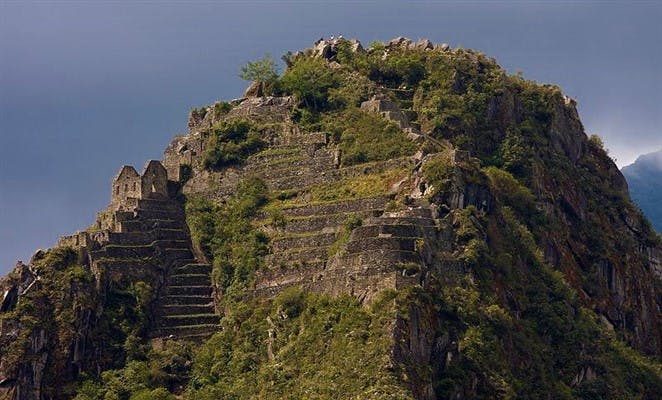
x,y
310,80
263,70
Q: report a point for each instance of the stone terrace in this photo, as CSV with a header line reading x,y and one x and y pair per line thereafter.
x,y
153,240
308,249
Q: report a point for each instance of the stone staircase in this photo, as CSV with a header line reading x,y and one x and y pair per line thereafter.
x,y
154,237
186,306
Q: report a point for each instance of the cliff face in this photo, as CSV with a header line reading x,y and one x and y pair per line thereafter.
x,y
402,222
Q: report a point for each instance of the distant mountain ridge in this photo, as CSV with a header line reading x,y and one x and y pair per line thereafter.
x,y
644,178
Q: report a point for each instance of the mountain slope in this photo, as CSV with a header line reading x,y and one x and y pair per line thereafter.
x,y
401,222
645,183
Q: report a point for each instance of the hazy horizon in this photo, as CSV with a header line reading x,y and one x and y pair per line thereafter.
x,y
86,88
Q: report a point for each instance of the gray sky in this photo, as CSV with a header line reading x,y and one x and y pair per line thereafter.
x,y
87,87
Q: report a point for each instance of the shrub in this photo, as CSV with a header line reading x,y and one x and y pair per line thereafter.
x,y
231,142
510,192
438,172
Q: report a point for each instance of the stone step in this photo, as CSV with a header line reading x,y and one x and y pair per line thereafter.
x,y
190,280
345,206
152,203
188,320
291,182
147,237
159,214
419,212
156,204
176,253
409,230
373,257
182,332
189,290
325,223
381,243
279,244
298,256
319,138
273,154
381,220
296,169
138,225
275,162
299,139
173,300
123,263
123,252
140,251
186,309
192,268
297,157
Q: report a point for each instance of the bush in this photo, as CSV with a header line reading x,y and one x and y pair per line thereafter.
x,y
511,193
439,171
231,142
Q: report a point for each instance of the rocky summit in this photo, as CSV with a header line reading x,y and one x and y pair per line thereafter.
x,y
399,221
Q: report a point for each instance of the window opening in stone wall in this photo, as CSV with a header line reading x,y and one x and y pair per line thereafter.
x,y
126,187
134,186
117,189
153,188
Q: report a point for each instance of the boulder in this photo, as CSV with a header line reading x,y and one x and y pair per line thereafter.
x,y
256,89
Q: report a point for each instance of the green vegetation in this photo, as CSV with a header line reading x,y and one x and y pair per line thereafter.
x,y
364,137
62,305
352,187
299,345
542,338
439,172
152,375
263,70
310,80
342,238
231,142
228,238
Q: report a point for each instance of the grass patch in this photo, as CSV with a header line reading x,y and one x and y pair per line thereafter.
x,y
351,223
299,346
349,188
364,137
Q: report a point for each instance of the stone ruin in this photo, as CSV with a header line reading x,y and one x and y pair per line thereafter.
x,y
127,189
128,185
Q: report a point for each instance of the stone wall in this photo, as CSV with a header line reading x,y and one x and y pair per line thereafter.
x,y
126,184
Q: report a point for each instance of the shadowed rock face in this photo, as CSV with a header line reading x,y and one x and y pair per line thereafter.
x,y
468,240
